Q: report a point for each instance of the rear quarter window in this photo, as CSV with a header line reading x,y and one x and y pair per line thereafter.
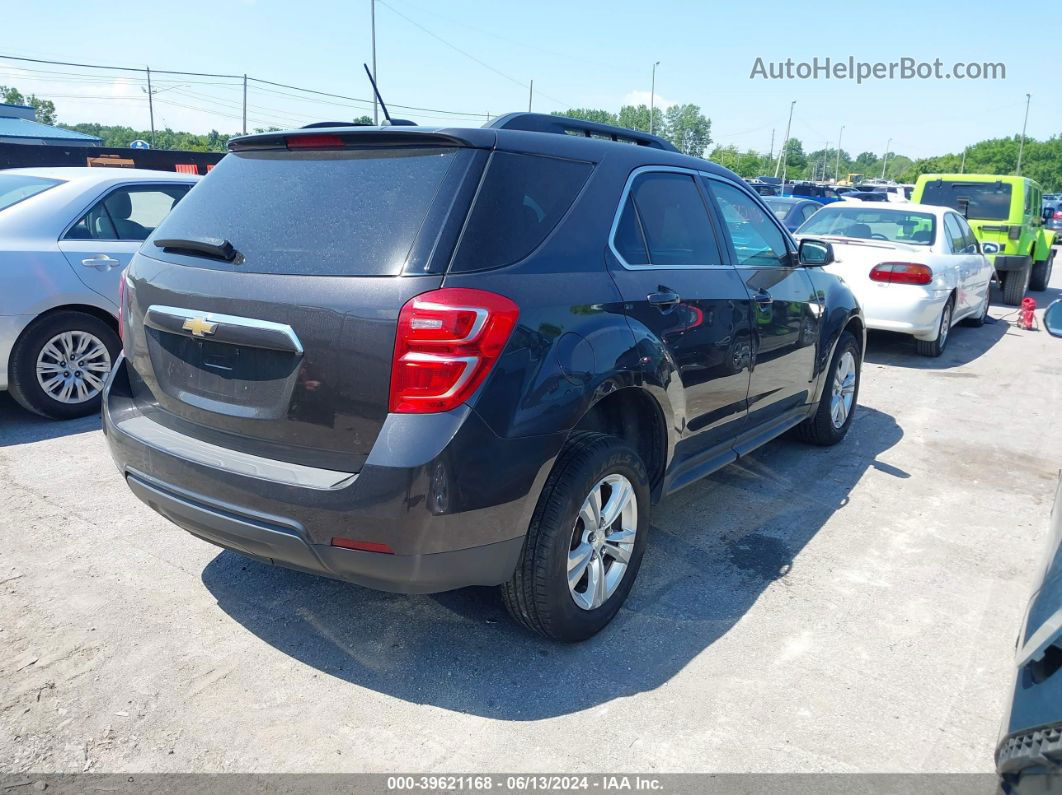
x,y
321,213
520,201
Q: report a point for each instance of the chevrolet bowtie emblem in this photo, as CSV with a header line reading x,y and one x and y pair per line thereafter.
x,y
199,326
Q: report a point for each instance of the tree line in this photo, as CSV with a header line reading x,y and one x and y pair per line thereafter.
x,y
685,126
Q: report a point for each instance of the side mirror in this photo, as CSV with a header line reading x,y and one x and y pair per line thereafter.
x,y
814,253
1053,318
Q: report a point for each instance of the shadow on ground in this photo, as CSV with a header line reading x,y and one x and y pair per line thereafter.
x,y
714,548
18,426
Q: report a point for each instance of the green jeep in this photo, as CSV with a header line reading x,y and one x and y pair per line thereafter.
x,y
1005,215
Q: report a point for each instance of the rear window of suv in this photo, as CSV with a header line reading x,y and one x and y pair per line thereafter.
x,y
987,201
329,213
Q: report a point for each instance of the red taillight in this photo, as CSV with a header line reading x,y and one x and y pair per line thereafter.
x,y
121,307
1058,215
314,142
447,342
902,273
362,546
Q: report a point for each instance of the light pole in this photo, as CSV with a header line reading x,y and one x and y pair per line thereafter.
x,y
652,97
837,163
1021,148
885,159
784,154
372,14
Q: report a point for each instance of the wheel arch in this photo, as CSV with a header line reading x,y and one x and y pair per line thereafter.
x,y
85,309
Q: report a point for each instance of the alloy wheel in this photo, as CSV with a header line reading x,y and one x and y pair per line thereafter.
x,y
844,384
602,541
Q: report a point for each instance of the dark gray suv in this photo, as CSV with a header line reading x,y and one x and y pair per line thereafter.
x,y
420,359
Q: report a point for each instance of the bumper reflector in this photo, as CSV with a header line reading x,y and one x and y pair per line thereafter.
x,y
362,546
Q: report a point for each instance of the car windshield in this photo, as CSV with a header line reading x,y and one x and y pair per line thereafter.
x,y
18,187
986,201
895,226
779,208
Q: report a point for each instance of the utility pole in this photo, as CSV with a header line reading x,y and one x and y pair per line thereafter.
x,y
245,104
372,14
652,98
530,95
785,145
962,166
151,107
1021,148
837,163
770,155
885,159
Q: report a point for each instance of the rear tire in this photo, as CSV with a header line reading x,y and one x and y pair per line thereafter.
x,y
1014,285
936,347
38,349
822,428
539,595
1041,273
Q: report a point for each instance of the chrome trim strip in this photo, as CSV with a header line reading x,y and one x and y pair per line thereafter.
x,y
229,320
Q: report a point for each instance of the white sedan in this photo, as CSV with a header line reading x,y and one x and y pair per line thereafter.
x,y
915,268
66,234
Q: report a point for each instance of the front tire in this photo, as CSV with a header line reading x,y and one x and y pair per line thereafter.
x,y
60,363
839,398
585,543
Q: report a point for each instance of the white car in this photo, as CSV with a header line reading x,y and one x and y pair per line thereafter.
x,y
915,268
66,235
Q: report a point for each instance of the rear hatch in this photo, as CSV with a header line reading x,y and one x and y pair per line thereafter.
x,y
262,311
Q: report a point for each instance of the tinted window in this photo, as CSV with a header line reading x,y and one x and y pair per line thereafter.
x,y
674,220
988,201
629,239
129,213
17,187
779,208
757,239
520,201
808,211
322,213
898,226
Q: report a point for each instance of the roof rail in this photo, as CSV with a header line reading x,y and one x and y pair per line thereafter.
x,y
563,125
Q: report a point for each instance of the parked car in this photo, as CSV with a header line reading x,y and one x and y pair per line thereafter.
x,y
65,236
1053,221
1030,738
420,359
915,269
817,193
1006,216
792,212
763,188
867,196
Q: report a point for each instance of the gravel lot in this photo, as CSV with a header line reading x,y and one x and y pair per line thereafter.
x,y
850,609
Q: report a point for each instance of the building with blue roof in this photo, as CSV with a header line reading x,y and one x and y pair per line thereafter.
x,y
19,126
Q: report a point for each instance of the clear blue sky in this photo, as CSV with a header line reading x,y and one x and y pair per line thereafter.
x,y
588,54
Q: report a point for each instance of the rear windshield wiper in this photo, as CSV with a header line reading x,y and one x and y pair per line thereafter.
x,y
213,247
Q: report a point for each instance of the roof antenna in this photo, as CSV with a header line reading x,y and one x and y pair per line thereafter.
x,y
387,116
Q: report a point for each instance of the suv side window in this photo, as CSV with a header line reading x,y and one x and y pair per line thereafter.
x,y
127,213
953,232
757,240
665,223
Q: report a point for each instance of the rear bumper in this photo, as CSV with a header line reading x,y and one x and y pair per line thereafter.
x,y
906,309
451,499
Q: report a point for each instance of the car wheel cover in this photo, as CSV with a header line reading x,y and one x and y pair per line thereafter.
x,y
602,541
945,325
73,366
844,384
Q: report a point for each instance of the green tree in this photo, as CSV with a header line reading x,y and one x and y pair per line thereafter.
x,y
43,109
363,120
636,117
589,114
688,129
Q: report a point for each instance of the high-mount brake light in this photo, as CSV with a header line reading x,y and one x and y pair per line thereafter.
x,y
314,142
447,342
902,273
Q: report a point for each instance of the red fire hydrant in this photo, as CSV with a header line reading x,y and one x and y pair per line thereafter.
x,y
1027,318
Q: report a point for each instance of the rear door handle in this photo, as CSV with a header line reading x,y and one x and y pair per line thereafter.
x,y
763,298
665,298
101,262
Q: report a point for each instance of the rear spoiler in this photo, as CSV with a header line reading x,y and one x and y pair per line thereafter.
x,y
351,136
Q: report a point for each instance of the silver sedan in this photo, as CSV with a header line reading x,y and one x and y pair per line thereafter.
x,y
66,235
